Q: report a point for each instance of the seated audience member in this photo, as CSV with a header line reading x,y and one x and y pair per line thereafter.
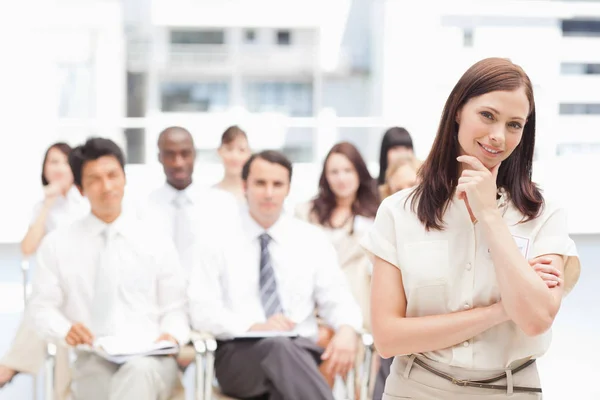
x,y
108,275
187,212
401,174
61,205
267,281
234,151
395,143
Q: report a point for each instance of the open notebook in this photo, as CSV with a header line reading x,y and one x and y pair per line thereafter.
x,y
121,349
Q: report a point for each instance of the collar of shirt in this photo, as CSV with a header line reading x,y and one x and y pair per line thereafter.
x,y
253,230
120,226
187,193
74,195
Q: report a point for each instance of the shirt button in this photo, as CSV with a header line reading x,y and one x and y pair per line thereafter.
x,y
468,266
466,344
467,306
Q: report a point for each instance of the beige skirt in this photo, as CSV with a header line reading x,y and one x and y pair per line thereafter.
x,y
408,380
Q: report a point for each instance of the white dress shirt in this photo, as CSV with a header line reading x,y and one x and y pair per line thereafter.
x,y
224,284
452,270
211,213
65,210
151,294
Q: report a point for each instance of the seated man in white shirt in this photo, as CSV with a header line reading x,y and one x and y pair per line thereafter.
x,y
268,279
108,275
183,210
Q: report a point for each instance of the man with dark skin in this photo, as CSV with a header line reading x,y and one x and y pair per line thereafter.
x,y
177,154
189,214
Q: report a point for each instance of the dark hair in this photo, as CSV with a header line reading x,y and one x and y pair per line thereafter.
x,y
439,173
60,146
93,149
232,133
272,156
367,197
393,137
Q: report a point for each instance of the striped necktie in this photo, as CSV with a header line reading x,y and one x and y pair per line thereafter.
x,y
268,284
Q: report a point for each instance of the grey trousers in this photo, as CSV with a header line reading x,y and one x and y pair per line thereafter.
x,y
382,373
148,378
280,368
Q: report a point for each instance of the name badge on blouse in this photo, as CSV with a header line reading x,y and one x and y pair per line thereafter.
x,y
522,244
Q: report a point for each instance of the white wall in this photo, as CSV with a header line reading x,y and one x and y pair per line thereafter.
x,y
57,33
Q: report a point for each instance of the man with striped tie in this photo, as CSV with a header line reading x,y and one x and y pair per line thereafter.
x,y
257,293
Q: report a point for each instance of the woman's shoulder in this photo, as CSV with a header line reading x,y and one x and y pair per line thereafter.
x,y
399,202
549,207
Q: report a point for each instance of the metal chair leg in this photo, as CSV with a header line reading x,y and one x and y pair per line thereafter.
x,y
211,347
365,379
49,365
25,273
26,289
350,385
199,379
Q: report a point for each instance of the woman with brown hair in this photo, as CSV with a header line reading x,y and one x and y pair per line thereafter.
x,y
454,298
234,152
344,208
62,204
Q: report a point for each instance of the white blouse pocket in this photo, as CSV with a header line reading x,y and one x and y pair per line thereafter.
x,y
426,277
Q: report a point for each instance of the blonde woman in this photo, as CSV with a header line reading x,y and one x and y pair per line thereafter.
x,y
401,174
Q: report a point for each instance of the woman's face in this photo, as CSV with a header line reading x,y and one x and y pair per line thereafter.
x,y
403,178
397,152
341,176
234,155
490,126
57,169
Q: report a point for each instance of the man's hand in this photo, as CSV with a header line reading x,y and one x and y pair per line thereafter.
x,y
168,338
277,322
550,275
341,352
79,334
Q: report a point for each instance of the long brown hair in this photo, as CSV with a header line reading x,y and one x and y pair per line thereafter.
x,y
439,173
367,198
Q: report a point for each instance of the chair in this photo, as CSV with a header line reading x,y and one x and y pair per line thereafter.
x,y
211,391
25,266
194,352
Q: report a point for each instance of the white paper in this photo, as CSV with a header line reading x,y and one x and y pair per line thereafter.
x,y
121,349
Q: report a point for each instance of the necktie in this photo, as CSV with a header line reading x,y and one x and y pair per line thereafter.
x,y
182,234
268,284
104,303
